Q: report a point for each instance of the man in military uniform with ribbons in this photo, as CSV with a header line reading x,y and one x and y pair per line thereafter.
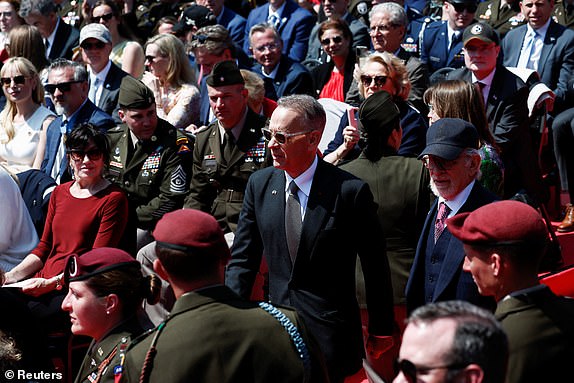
x,y
228,151
150,159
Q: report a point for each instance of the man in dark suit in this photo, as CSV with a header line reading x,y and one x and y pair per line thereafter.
x,y
504,243
105,76
232,21
337,9
293,23
453,161
281,75
60,38
505,96
68,85
545,46
311,219
442,40
212,335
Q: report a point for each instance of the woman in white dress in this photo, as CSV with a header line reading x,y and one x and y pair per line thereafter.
x,y
24,120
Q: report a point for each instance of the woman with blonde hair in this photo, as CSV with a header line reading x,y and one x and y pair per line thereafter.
x,y
172,80
460,99
24,120
381,71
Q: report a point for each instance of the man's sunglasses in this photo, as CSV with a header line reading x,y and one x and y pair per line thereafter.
x,y
367,80
411,371
335,39
89,46
79,155
470,7
18,80
63,86
280,137
106,17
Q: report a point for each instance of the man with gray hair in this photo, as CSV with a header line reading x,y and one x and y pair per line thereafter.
x,y
453,161
60,39
281,75
326,217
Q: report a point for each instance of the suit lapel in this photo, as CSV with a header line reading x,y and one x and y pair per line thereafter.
x,y
549,42
516,46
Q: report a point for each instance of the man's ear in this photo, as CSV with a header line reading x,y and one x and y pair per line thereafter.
x,y
472,373
160,270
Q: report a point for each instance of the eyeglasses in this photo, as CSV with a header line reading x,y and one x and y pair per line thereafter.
x,y
367,80
280,137
18,80
89,46
106,17
335,39
271,47
459,8
411,371
79,155
439,163
382,28
62,87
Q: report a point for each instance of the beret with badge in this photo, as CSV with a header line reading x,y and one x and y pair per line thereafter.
x,y
96,261
500,223
482,32
448,137
134,94
225,73
379,114
191,231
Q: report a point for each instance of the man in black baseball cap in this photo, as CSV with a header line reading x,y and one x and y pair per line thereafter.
x,y
453,161
193,18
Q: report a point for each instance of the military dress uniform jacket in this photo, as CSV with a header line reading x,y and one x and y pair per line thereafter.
x,y
540,329
156,176
217,187
435,50
212,335
503,20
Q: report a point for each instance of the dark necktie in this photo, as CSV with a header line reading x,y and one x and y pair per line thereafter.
x,y
293,221
228,146
479,88
443,212
456,38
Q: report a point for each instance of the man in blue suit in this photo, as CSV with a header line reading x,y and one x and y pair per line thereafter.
x,y
293,23
68,85
233,22
453,161
442,40
311,219
551,53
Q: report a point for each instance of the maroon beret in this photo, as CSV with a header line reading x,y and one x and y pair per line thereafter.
x,y
499,223
96,261
192,231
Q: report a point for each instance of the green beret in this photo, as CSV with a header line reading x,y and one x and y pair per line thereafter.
x,y
379,114
225,73
134,94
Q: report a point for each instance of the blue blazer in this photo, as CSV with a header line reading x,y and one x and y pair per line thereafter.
x,y
234,23
203,102
88,112
556,65
291,78
340,222
111,92
434,48
453,282
295,27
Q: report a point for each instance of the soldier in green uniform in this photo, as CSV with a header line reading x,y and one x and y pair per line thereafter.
x,y
212,335
564,13
150,159
106,288
228,151
501,15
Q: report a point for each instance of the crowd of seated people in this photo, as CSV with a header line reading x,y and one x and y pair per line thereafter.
x,y
137,108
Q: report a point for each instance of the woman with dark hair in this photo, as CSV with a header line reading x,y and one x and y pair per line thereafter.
x,y
106,289
460,99
334,77
86,213
9,19
127,53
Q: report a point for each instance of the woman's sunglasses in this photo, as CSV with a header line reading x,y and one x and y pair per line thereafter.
x,y
106,17
79,155
336,40
367,80
18,80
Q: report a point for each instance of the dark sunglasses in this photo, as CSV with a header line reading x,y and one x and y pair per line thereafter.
x,y
106,17
411,371
63,87
18,80
89,46
459,8
280,137
367,80
151,59
79,155
336,40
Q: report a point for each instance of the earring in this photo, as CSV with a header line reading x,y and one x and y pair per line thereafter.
x,y
108,312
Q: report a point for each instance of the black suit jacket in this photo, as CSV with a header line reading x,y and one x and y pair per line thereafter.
x,y
111,92
452,282
291,78
340,222
507,114
65,40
